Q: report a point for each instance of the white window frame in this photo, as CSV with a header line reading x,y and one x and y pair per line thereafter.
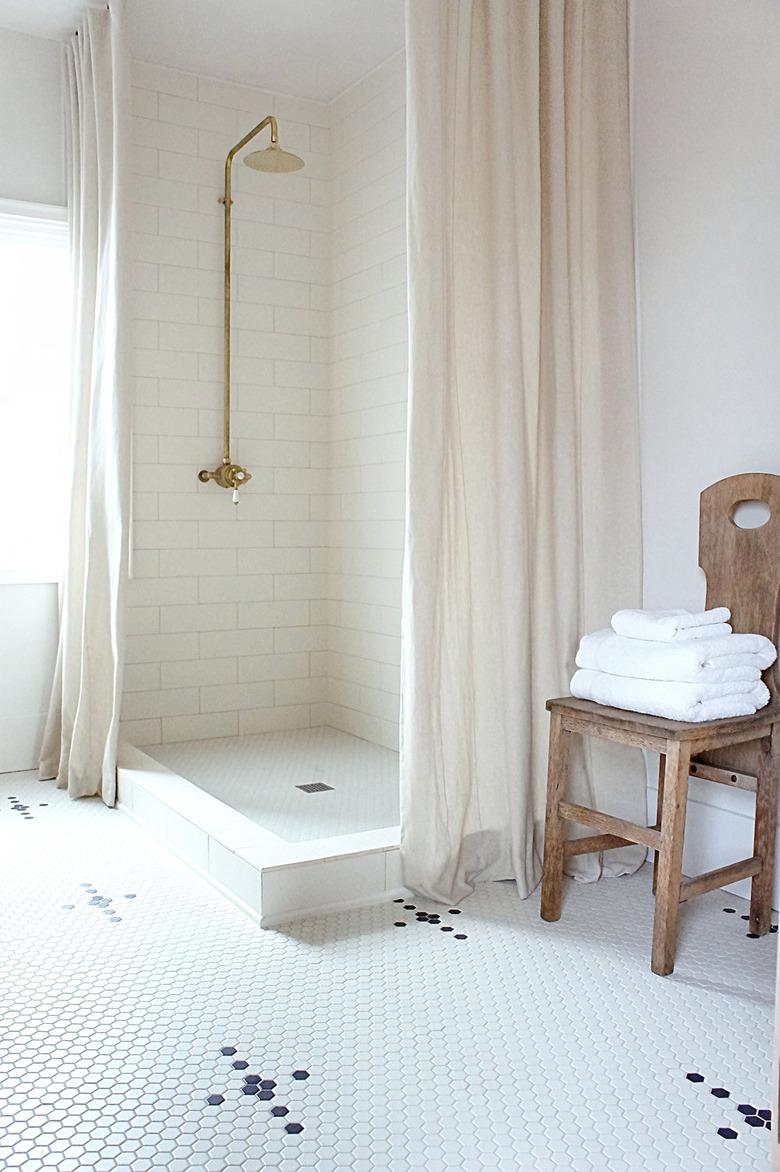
x,y
42,220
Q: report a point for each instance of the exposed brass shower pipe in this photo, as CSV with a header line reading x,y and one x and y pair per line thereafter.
x,y
272,159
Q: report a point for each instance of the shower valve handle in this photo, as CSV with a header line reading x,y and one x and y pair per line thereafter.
x,y
226,476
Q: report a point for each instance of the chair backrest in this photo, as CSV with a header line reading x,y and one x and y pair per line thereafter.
x,y
743,565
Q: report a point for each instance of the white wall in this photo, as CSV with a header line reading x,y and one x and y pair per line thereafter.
x,y
707,166
368,407
31,169
31,119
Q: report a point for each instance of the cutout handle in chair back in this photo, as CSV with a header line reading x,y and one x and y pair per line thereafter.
x,y
742,564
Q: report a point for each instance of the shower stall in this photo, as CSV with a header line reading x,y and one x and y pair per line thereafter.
x,y
260,713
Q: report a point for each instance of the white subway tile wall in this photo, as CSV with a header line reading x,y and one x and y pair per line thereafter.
x,y
365,500
284,612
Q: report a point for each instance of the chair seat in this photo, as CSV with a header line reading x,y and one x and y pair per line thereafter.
x,y
742,727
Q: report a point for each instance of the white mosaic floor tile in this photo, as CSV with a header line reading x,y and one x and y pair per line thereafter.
x,y
133,994
260,777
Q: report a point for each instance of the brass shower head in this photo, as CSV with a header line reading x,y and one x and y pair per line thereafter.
x,y
273,159
276,161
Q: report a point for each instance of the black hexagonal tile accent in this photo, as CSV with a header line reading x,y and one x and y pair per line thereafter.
x,y
293,1128
695,1077
719,1093
746,1109
754,1121
255,1086
215,1100
727,1132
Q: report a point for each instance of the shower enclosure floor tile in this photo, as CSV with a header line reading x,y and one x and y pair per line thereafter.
x,y
260,776
148,1024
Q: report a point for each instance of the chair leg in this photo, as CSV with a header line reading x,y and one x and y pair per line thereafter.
x,y
557,771
658,808
667,898
764,837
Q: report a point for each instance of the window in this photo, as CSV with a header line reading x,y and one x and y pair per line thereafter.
x,y
35,300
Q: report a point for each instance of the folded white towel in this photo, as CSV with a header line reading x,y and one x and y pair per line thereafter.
x,y
678,701
668,626
706,661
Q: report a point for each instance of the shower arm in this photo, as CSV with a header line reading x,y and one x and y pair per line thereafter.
x,y
228,474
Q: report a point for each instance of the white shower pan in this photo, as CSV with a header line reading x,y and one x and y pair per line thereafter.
x,y
284,823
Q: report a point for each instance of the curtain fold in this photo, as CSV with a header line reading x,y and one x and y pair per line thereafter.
x,y
523,500
80,740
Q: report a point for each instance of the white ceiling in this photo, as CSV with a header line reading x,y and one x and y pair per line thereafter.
x,y
41,18
310,48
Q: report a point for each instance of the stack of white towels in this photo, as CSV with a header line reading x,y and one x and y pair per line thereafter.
x,y
674,663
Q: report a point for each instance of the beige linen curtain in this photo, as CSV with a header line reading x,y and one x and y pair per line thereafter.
x,y
523,511
80,740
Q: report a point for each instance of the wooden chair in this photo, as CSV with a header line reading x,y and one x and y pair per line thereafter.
x,y
742,567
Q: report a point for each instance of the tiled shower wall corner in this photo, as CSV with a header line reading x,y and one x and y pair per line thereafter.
x,y
282,613
368,405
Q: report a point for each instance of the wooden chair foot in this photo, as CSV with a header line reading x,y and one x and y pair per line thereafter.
x,y
760,921
552,872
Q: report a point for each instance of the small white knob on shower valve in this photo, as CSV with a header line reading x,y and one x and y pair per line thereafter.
x,y
236,486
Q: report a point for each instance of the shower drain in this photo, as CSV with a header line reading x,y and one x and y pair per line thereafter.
x,y
314,787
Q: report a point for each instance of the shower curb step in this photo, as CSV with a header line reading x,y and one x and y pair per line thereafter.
x,y
274,881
